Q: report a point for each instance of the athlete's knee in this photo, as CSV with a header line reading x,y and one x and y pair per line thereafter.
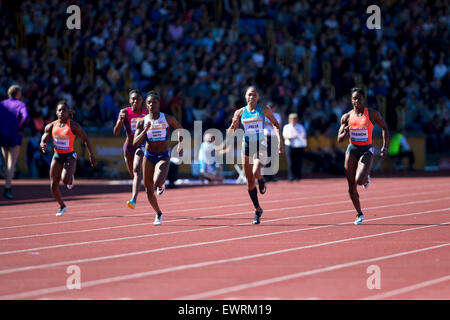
x,y
54,185
149,190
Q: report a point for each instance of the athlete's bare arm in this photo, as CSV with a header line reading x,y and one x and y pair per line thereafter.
x,y
47,133
343,129
140,133
378,119
119,122
77,130
235,122
269,114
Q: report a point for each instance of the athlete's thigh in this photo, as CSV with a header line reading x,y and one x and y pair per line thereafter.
x,y
364,166
56,168
69,168
137,161
161,171
148,170
129,161
350,165
257,166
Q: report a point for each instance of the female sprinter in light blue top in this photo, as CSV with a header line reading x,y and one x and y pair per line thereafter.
x,y
154,128
252,117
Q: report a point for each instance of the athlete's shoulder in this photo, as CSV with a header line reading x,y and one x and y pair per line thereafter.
x,y
346,116
49,126
239,112
373,113
73,123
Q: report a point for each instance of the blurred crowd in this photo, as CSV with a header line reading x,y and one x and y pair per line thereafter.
x,y
304,55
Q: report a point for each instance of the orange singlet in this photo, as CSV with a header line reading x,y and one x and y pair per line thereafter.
x,y
63,138
360,128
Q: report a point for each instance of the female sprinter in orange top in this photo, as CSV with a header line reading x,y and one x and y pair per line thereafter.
x,y
358,124
154,128
252,117
133,155
63,132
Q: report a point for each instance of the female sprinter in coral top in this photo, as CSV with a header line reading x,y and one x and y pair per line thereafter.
x,y
64,163
358,124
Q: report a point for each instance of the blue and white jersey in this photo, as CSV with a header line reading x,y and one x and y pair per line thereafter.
x,y
159,129
253,122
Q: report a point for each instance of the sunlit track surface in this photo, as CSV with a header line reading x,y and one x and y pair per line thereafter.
x,y
306,246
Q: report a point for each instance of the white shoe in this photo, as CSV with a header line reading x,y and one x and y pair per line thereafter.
x,y
158,219
70,186
61,211
359,219
159,190
365,186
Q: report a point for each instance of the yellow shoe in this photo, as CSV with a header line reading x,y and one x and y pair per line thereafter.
x,y
131,204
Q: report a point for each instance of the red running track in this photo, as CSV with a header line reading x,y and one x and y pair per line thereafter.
x,y
306,246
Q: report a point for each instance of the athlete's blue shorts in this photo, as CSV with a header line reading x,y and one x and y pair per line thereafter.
x,y
154,157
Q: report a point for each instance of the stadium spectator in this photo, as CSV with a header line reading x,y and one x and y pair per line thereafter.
x,y
301,55
295,141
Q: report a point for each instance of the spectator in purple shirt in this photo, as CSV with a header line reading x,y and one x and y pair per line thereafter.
x,y
13,118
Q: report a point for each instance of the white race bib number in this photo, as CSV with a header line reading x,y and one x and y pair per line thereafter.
x,y
359,135
157,133
61,142
134,122
253,125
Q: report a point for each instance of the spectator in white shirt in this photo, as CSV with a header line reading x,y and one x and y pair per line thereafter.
x,y
295,140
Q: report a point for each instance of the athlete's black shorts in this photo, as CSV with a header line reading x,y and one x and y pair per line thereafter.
x,y
255,149
359,151
63,157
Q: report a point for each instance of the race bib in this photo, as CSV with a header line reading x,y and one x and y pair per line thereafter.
x,y
157,132
134,122
61,142
359,135
253,125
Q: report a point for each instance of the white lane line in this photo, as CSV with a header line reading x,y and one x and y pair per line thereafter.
x,y
196,244
297,275
132,276
166,212
177,202
211,198
217,227
213,216
223,207
407,289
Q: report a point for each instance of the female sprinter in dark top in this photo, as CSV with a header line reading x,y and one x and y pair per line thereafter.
x,y
358,124
63,132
